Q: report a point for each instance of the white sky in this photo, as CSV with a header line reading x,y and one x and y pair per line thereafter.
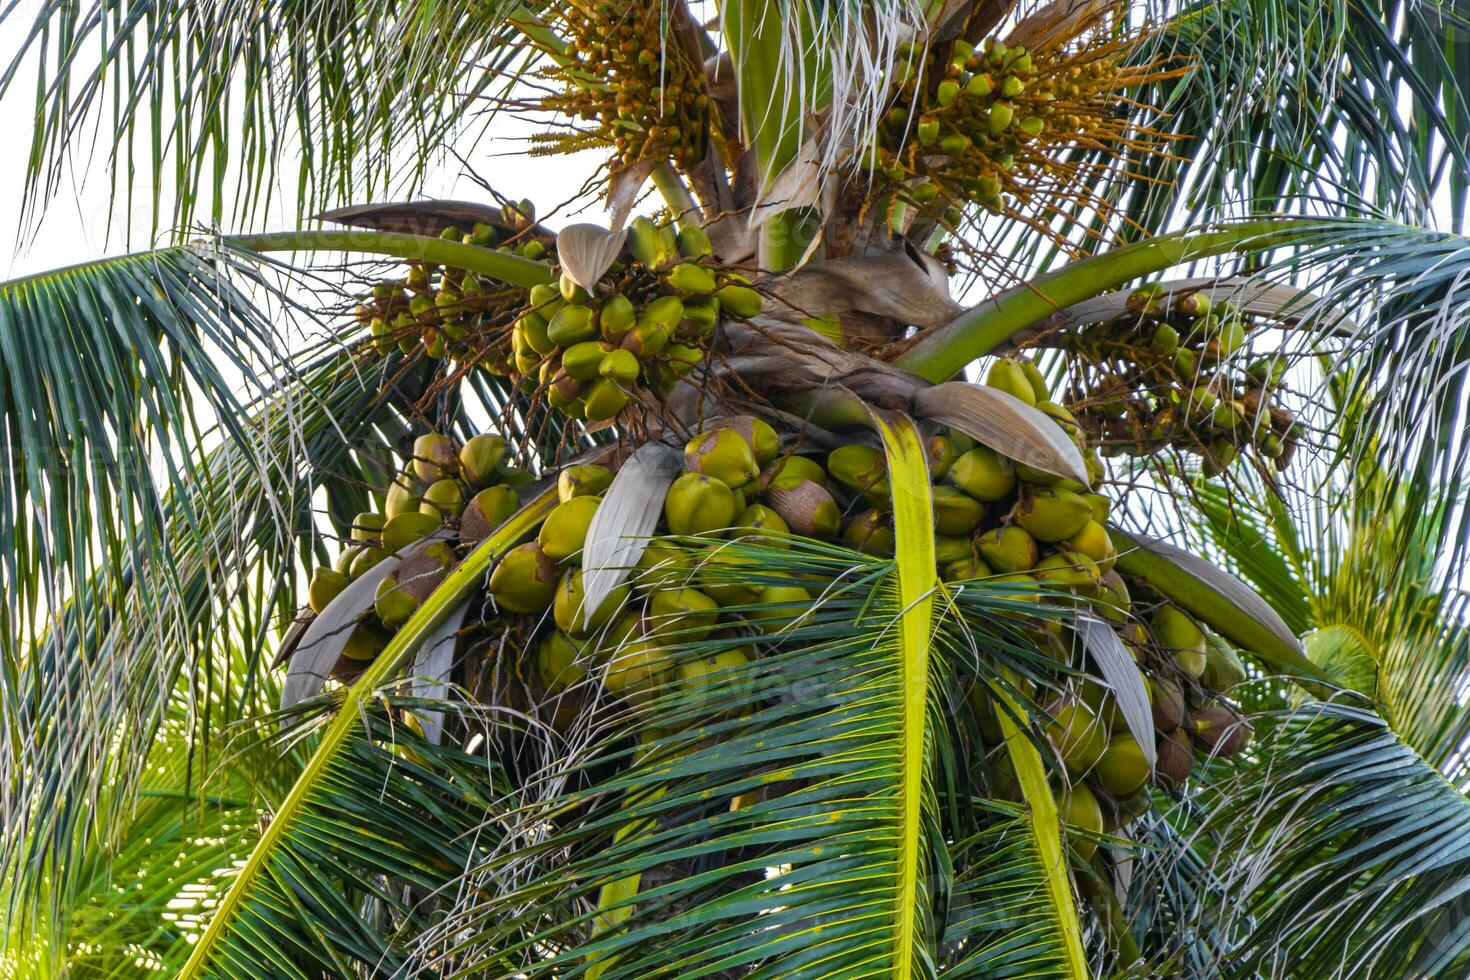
x,y
74,226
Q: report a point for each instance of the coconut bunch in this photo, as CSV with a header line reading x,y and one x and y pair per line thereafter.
x,y
449,312
1109,781
998,523
627,75
639,318
446,494
994,124
1165,374
680,589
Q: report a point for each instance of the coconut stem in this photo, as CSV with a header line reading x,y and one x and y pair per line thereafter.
x,y
677,196
941,354
786,237
418,248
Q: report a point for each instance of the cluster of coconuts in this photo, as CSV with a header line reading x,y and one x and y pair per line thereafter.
x,y
450,312
994,518
465,491
1164,374
1189,670
644,325
650,100
741,483
962,125
681,591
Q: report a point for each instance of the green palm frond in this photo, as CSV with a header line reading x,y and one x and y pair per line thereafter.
x,y
196,566
106,367
392,820
786,818
1348,852
768,800
1001,907
1180,912
1362,102
219,95
131,901
1363,573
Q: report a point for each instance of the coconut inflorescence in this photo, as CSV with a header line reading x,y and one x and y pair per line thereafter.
x,y
988,124
587,352
650,99
1171,372
445,312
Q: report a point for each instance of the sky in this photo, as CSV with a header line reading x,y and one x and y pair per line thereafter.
x,y
74,225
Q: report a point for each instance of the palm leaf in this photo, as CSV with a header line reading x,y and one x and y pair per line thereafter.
x,y
818,776
1045,828
913,526
105,365
1348,849
1003,907
1354,101
214,573
1388,618
130,903
204,92
247,909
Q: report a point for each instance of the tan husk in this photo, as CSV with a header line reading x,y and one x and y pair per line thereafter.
x,y
586,251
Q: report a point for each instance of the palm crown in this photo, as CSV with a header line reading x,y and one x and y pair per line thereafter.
x,y
659,598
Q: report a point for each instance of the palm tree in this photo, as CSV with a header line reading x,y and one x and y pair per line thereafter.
x,y
417,647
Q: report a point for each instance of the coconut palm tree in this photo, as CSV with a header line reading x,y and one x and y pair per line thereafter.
x,y
664,597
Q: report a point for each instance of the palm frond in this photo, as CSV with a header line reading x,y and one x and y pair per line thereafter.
x,y
1366,577
154,581
1002,907
1347,850
810,857
768,799
130,904
1361,102
392,819
219,95
105,366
